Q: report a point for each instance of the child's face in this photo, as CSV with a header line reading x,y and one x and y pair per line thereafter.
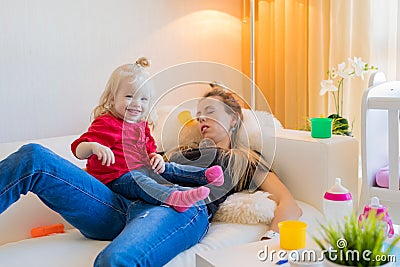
x,y
129,104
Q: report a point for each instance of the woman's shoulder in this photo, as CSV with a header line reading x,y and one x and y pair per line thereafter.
x,y
202,157
196,152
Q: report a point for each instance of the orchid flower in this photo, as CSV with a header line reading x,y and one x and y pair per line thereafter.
x,y
327,86
359,66
344,71
336,77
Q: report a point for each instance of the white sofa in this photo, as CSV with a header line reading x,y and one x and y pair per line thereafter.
x,y
307,166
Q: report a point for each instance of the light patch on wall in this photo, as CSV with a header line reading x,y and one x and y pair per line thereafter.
x,y
206,32
66,52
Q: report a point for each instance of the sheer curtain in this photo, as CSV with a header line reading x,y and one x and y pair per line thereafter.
x,y
297,41
368,29
292,53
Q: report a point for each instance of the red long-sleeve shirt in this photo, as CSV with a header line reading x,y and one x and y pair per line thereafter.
x,y
130,142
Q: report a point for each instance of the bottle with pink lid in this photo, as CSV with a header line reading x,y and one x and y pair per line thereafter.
x,y
380,211
337,203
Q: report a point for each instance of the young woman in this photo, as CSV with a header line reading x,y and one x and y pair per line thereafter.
x,y
220,117
142,234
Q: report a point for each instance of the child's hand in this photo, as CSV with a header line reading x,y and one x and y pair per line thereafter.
x,y
103,153
157,163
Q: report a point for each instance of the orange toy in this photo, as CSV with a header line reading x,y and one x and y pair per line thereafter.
x,y
47,230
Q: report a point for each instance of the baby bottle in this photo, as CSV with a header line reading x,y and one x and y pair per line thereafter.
x,y
337,203
380,209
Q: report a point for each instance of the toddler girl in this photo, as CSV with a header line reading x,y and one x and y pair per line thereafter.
x,y
122,154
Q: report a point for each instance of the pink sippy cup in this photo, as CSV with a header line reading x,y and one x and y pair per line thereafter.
x,y
379,210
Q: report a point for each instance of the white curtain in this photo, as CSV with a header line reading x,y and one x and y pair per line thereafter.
x,y
368,29
297,41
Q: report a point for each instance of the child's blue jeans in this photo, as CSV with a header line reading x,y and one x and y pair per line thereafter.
x,y
155,188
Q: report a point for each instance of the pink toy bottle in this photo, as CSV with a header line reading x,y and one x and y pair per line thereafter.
x,y
380,209
337,203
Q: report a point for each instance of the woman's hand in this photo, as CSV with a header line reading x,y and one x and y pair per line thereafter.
x,y
287,208
157,163
86,149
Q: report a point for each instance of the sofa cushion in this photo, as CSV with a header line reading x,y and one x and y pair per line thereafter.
x,y
72,249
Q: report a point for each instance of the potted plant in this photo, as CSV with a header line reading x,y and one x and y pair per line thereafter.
x,y
356,242
336,76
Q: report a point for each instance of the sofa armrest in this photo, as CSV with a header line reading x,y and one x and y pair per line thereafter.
x,y
309,166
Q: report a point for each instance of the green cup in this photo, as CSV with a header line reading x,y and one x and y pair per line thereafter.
x,y
321,127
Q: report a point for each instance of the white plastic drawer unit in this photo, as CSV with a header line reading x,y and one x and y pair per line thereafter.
x,y
380,141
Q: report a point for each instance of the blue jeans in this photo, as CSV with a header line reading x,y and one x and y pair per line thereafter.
x,y
152,188
142,234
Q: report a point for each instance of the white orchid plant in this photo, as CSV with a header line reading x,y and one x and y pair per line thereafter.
x,y
334,84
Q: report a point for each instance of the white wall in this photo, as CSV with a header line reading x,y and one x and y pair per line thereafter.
x,y
56,56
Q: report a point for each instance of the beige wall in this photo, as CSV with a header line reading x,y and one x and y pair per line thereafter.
x,y
56,56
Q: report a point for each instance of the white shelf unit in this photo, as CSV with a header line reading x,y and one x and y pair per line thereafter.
x,y
380,142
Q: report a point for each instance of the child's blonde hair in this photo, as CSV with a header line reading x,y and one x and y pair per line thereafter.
x,y
138,76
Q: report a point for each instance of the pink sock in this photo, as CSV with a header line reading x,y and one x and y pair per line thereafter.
x,y
183,200
215,175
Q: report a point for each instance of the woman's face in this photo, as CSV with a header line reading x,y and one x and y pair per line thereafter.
x,y
214,122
